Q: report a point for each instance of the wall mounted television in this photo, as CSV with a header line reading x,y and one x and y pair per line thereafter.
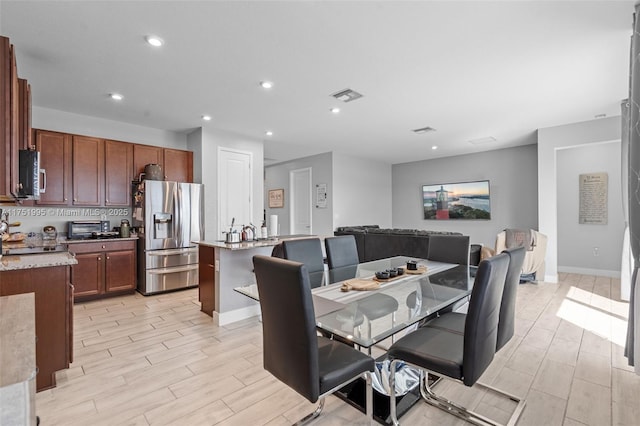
x,y
461,200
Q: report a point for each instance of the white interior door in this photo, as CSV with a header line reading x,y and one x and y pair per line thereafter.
x,y
234,189
300,184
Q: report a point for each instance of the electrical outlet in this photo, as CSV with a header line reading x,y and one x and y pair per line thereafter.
x,y
596,251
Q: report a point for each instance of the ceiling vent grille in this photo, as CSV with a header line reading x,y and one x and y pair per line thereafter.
x,y
424,130
482,141
347,95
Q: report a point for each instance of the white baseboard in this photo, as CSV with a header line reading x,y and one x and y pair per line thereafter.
x,y
235,315
588,271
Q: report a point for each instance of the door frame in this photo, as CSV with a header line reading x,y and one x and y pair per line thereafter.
x,y
219,187
292,202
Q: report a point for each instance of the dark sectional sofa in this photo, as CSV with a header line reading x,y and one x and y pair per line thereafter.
x,y
376,243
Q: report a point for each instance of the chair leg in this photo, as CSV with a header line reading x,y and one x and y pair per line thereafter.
x,y
472,417
392,396
369,398
306,419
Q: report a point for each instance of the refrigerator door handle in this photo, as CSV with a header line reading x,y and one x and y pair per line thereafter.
x,y
164,271
184,251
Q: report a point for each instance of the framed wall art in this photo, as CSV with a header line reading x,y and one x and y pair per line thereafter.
x,y
276,198
463,200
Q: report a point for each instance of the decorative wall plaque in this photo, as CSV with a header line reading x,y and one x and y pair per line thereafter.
x,y
593,199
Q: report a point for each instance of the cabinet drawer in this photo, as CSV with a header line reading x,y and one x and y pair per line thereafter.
x,y
99,246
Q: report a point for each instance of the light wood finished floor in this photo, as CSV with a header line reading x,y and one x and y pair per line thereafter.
x,y
159,360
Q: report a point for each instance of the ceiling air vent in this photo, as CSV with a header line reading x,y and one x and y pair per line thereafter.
x,y
347,95
481,141
424,130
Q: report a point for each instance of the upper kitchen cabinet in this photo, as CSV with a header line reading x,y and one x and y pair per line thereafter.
x,y
9,119
118,161
24,116
178,165
143,155
88,171
55,161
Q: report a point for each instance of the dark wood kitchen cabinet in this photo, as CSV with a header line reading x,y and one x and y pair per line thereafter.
x,y
9,120
24,116
55,160
207,279
54,316
118,165
143,155
178,165
104,268
87,171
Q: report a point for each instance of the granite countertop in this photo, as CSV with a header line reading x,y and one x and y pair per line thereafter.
x,y
18,355
18,331
246,245
29,261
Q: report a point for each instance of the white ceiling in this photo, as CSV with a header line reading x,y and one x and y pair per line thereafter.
x,y
468,69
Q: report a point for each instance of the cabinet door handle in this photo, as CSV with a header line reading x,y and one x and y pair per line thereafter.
x,y
99,258
108,258
44,181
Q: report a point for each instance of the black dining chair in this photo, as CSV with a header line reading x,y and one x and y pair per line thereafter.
x,y
465,356
454,321
309,252
341,251
312,365
342,255
449,249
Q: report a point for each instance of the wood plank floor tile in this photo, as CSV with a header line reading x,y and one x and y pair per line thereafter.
x,y
141,360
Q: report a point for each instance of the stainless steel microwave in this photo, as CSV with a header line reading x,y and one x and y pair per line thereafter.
x,y
84,229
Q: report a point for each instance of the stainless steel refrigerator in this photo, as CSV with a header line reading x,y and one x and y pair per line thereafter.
x,y
170,220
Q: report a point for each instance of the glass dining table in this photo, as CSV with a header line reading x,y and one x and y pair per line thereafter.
x,y
368,317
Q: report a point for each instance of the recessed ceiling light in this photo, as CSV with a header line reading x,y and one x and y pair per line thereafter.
x,y
266,84
154,41
268,133
335,110
116,96
206,117
434,147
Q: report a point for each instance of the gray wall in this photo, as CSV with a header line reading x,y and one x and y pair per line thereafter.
x,y
550,141
512,173
207,149
66,122
576,242
362,192
277,177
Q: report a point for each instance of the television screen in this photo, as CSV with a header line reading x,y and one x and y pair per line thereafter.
x,y
463,200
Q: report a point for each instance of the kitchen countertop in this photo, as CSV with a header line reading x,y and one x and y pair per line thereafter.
x,y
29,261
246,245
18,372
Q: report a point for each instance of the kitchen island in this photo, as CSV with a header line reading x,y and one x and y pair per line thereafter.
x,y
225,266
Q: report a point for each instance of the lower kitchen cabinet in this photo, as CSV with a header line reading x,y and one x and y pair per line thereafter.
x,y
54,316
104,268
